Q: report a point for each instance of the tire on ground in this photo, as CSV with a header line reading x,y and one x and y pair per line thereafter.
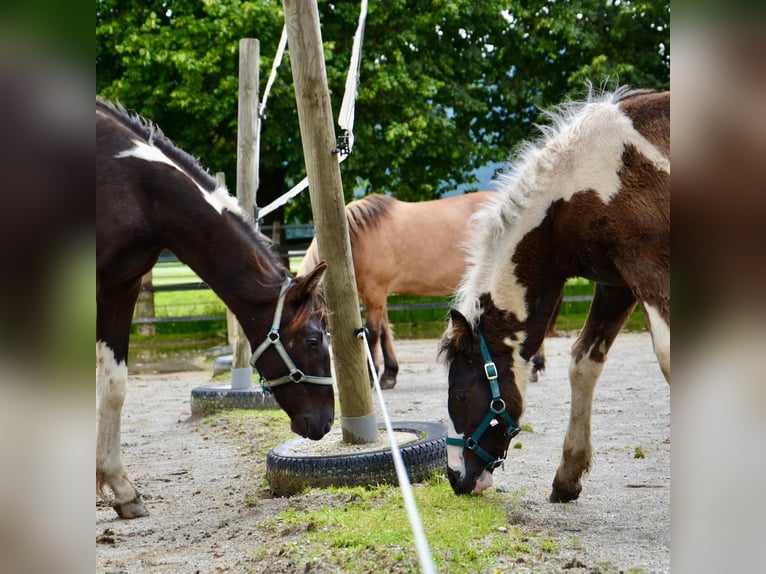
x,y
289,473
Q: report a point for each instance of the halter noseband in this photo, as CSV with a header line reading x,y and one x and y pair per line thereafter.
x,y
496,411
272,338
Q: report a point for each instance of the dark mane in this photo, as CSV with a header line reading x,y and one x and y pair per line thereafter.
x,y
366,213
151,133
274,272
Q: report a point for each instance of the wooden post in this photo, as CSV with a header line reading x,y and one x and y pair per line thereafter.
x,y
304,39
145,305
247,180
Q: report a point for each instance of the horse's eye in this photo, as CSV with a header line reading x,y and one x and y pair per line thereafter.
x,y
312,343
460,397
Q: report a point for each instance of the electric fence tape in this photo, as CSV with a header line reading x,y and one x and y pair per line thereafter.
x,y
427,565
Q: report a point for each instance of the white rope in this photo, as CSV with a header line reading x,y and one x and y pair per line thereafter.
x,y
273,74
347,108
427,565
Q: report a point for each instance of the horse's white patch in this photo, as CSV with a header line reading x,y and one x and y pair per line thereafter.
x,y
219,198
484,481
522,369
660,338
111,380
455,459
583,376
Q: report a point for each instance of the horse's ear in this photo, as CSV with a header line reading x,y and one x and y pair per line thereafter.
x,y
307,284
462,333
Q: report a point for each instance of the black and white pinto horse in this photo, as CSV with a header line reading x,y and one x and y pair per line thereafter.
x,y
592,199
150,196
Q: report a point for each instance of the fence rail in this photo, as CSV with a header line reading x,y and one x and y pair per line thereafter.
x,y
203,286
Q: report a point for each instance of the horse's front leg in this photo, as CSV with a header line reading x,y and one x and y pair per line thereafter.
x,y
111,381
610,309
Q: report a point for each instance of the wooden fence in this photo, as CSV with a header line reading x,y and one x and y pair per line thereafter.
x,y
288,241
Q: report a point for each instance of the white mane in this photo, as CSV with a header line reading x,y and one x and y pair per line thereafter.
x,y
580,150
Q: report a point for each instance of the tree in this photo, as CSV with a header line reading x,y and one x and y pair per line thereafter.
x,y
446,86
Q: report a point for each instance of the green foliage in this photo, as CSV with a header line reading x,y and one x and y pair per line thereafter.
x,y
445,87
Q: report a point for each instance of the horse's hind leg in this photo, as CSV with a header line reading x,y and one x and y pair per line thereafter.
x,y
538,360
610,309
112,334
658,317
390,364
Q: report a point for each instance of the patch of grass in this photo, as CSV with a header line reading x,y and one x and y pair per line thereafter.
x,y
370,530
549,545
518,445
527,428
639,453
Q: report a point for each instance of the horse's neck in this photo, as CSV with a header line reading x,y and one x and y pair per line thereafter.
x,y
224,253
526,292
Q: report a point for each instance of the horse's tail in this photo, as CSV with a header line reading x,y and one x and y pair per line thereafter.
x,y
310,260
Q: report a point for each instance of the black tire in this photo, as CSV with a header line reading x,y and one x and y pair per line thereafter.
x,y
207,400
289,473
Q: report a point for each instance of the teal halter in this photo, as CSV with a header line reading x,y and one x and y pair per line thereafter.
x,y
272,338
497,411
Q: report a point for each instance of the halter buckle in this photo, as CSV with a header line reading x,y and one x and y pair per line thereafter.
x,y
490,370
495,463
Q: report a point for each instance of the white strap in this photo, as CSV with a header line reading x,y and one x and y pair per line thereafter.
x,y
273,74
347,108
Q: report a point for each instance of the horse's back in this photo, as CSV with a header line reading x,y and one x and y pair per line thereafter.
x,y
422,244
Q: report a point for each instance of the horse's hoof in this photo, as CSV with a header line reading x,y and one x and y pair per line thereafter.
x,y
565,494
387,383
132,509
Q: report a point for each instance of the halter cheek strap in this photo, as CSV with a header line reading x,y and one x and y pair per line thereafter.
x,y
497,411
295,375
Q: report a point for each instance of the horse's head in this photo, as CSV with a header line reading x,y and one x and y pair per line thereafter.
x,y
484,403
294,359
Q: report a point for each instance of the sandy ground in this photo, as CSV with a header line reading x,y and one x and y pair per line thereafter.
x,y
196,486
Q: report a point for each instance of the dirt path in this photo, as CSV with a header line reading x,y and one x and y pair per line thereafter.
x,y
196,485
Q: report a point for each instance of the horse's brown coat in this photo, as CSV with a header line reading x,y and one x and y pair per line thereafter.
x,y
543,230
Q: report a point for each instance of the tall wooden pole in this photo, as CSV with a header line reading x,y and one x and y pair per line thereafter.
x,y
304,39
247,181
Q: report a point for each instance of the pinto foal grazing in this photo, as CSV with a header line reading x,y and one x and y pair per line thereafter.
x,y
591,200
408,248
150,196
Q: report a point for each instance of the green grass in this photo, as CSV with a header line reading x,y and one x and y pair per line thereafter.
x,y
370,531
366,529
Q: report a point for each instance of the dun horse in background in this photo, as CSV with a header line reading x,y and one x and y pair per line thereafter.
x,y
150,196
592,199
409,248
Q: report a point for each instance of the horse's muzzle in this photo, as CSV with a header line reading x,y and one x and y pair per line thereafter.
x,y
313,428
473,483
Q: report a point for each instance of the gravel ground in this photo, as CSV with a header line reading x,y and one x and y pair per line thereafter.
x,y
196,485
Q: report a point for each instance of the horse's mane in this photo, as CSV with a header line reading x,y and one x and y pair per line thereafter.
x,y
519,188
152,134
366,213
274,271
